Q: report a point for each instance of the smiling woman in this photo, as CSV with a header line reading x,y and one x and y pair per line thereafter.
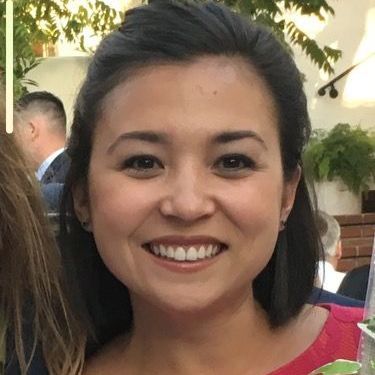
x,y
189,218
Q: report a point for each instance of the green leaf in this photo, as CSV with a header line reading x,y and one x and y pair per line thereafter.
x,y
345,152
339,367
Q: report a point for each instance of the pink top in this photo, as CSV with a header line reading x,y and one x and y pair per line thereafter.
x,y
339,339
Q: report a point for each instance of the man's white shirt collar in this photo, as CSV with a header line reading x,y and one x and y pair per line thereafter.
x,y
47,162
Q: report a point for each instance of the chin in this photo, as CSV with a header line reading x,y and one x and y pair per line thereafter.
x,y
187,304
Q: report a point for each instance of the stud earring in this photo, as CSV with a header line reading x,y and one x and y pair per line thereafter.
x,y
86,225
282,224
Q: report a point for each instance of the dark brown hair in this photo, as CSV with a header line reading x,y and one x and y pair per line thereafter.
x,y
175,32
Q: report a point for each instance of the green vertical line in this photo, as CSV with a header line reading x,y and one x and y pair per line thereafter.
x,y
9,66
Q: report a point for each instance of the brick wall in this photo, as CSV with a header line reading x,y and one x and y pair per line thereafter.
x,y
357,236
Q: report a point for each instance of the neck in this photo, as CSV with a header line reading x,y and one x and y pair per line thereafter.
x,y
196,343
332,260
52,146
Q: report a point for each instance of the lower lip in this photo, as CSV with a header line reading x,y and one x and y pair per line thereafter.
x,y
184,267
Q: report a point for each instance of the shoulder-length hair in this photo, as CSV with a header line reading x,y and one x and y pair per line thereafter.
x,y
178,32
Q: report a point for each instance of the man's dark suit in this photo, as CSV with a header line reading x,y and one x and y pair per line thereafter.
x,y
57,170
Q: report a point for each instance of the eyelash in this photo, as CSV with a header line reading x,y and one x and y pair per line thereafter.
x,y
130,163
246,163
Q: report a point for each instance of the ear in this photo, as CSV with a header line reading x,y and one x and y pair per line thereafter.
x,y
81,205
289,194
33,130
339,250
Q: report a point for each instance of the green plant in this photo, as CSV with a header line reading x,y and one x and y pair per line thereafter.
x,y
345,152
45,22
272,14
339,367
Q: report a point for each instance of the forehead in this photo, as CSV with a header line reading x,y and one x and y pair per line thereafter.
x,y
208,92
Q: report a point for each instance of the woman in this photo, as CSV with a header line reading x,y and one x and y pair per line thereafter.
x,y
187,186
37,319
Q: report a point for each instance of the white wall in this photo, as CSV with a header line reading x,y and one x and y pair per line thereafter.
x,y
63,77
352,30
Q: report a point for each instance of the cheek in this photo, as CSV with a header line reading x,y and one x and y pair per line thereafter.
x,y
118,208
255,203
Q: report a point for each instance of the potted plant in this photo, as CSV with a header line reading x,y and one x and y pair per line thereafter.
x,y
345,157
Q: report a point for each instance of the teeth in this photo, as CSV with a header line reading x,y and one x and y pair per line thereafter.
x,y
209,250
192,253
215,250
201,253
181,254
170,252
155,249
163,250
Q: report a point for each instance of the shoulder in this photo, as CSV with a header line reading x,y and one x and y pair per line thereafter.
x,y
61,159
343,317
340,336
344,313
338,339
358,273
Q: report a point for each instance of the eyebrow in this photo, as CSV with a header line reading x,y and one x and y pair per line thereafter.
x,y
162,138
147,136
231,136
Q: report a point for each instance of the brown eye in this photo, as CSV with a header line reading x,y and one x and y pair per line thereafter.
x,y
234,162
142,163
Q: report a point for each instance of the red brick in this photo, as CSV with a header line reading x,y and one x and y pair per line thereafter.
x,y
350,251
363,260
368,230
349,219
351,231
357,241
369,218
341,219
364,251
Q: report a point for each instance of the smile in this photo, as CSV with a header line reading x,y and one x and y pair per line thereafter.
x,y
183,253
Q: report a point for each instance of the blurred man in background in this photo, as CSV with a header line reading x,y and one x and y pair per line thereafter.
x,y
329,230
41,126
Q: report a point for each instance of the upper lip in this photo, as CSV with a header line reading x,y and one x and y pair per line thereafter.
x,y
185,240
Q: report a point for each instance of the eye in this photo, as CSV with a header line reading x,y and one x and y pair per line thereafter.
x,y
234,163
147,165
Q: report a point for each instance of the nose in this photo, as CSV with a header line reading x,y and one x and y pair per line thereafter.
x,y
188,198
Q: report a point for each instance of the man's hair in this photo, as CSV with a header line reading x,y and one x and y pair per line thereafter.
x,y
46,103
329,231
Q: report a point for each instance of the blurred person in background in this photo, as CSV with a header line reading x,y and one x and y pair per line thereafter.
x,y
40,334
41,122
330,232
355,283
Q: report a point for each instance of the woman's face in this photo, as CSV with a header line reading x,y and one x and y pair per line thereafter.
x,y
185,185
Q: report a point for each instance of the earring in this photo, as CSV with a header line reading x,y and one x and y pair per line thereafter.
x,y
86,225
282,225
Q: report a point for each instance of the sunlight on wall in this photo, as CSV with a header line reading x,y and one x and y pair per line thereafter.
x,y
65,48
360,85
